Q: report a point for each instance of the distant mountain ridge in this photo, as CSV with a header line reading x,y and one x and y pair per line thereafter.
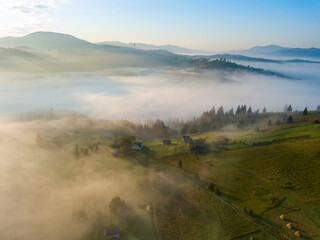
x,y
168,47
238,57
57,52
52,40
274,50
46,40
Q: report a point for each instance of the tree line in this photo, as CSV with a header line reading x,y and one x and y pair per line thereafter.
x,y
215,120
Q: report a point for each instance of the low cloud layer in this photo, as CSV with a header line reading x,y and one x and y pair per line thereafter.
x,y
151,95
46,193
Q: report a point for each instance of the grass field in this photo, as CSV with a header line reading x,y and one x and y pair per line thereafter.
x,y
260,175
279,176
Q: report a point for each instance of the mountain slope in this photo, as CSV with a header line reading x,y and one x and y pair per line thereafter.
x,y
143,46
238,57
46,40
33,53
273,50
227,66
300,52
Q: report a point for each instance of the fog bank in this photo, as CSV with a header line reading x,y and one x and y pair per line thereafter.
x,y
136,94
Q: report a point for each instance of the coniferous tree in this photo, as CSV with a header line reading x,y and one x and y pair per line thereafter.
x,y
220,112
231,112
289,109
117,206
290,119
243,109
249,110
238,110
264,110
285,108
318,108
305,111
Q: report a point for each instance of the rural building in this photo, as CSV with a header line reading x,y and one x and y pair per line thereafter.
x,y
187,139
167,142
112,232
137,146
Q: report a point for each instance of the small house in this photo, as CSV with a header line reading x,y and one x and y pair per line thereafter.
x,y
112,232
167,142
137,146
187,139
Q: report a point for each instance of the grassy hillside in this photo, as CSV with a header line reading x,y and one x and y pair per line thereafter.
x,y
263,181
235,191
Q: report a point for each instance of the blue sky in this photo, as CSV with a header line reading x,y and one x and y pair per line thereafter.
x,y
199,24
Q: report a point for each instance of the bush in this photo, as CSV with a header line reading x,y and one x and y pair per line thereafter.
x,y
125,143
211,187
117,206
251,213
245,210
180,164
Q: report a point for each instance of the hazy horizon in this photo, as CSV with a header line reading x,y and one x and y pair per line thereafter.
x,y
202,25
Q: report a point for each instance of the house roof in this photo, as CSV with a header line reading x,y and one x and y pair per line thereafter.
x,y
138,144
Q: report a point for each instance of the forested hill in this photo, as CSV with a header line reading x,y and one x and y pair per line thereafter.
x,y
223,64
237,57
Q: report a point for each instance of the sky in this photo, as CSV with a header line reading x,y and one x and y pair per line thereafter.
x,y
214,25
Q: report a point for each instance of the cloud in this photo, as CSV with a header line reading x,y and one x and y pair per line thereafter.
x,y
29,15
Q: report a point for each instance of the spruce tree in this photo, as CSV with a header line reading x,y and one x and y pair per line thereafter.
x,y
290,119
238,110
305,111
289,109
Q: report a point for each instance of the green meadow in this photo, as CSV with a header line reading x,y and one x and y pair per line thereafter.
x,y
261,174
238,190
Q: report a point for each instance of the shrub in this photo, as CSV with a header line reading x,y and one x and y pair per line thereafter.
x,y
211,187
